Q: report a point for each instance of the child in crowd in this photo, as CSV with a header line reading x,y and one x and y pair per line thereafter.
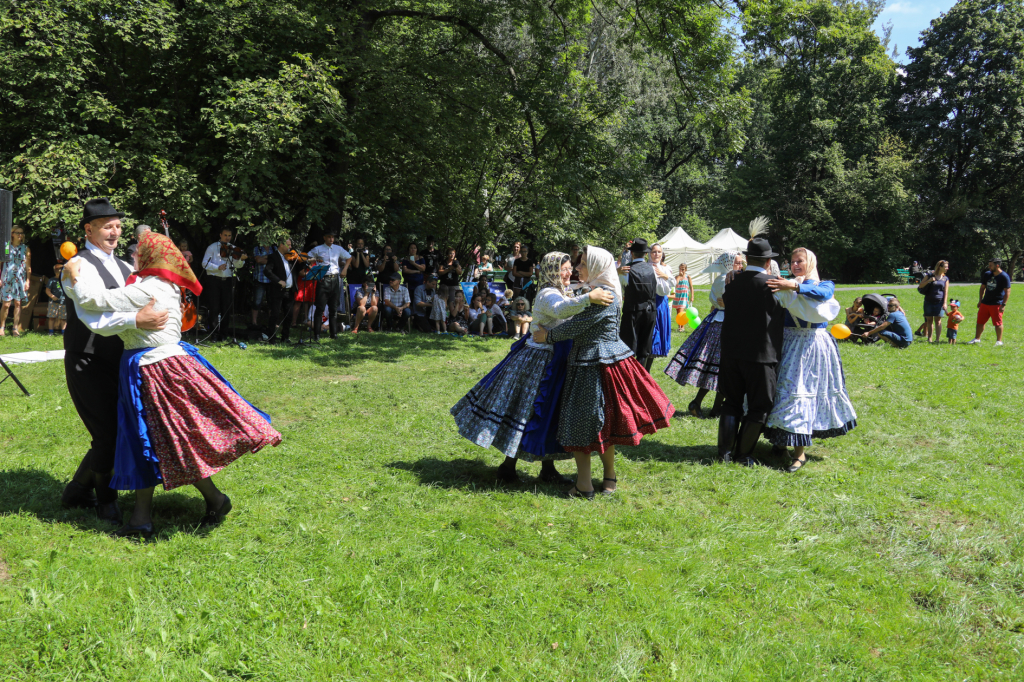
x,y
183,247
495,323
458,318
953,321
56,309
439,312
520,317
476,306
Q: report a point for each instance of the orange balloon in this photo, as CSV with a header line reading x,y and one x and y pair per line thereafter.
x,y
840,331
682,319
68,250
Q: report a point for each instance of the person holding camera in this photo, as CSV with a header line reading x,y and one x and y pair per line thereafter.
x,y
451,272
935,288
359,268
386,265
431,257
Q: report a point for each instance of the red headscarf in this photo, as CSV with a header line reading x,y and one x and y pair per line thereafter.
x,y
159,256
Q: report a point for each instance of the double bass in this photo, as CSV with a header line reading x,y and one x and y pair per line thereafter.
x,y
189,314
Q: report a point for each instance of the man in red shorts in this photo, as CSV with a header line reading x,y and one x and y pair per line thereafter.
x,y
993,295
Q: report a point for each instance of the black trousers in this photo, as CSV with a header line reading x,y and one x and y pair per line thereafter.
x,y
281,302
755,381
92,383
423,323
394,320
326,295
637,331
217,292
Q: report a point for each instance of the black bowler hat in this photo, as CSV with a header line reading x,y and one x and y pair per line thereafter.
x,y
639,245
330,232
98,208
759,248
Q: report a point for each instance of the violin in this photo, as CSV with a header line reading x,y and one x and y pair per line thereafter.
x,y
189,315
231,250
294,255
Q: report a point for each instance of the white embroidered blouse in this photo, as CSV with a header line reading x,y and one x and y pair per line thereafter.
x,y
92,296
551,309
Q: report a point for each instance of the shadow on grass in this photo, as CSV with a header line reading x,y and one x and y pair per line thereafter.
x,y
475,476
36,492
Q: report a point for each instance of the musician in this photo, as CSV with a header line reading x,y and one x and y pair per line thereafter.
x,y
219,282
327,290
259,257
281,285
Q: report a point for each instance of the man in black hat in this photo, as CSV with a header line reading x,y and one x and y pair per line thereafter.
x,y
639,312
751,349
92,360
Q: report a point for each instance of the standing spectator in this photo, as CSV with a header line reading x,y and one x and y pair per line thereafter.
x,y
360,266
935,287
337,259
522,271
219,283
431,257
366,305
396,305
953,321
414,267
485,265
510,261
451,274
439,312
387,265
182,245
894,327
683,292
474,262
281,288
56,310
15,281
423,303
259,257
994,293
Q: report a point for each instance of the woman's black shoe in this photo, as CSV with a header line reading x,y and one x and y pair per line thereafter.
x,y
216,517
797,465
694,409
574,491
608,491
142,532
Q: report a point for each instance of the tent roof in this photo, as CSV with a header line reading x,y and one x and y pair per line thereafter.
x,y
727,240
677,239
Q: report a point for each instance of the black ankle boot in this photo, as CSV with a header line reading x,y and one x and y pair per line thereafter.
x,y
749,434
106,500
728,425
549,474
507,471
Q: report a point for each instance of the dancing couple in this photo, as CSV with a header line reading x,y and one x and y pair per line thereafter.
x,y
157,411
570,387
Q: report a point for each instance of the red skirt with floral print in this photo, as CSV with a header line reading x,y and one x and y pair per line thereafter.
x,y
634,405
197,425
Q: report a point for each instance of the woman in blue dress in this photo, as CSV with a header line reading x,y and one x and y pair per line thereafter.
x,y
810,396
662,344
515,407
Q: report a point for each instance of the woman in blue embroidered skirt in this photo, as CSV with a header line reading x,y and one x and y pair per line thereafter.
x,y
662,343
514,407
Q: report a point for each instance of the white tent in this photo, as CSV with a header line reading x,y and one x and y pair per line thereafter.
x,y
726,240
680,247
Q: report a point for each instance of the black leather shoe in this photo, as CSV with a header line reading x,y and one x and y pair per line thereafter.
x,y
143,532
728,427
109,512
77,496
216,517
552,476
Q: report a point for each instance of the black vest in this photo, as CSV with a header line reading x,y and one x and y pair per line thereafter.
x,y
78,338
641,289
752,330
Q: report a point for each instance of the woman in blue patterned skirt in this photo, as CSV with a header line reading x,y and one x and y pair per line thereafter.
x,y
810,397
662,343
514,407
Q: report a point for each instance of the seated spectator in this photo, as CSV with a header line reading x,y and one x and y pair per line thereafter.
x,y
439,312
855,313
423,303
366,305
894,327
396,305
520,317
458,317
56,309
474,313
495,319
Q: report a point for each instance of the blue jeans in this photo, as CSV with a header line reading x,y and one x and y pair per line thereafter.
x,y
895,338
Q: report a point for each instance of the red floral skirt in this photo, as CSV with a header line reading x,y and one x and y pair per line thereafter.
x,y
634,405
197,425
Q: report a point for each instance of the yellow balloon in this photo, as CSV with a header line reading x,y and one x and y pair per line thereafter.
x,y
840,331
68,250
682,319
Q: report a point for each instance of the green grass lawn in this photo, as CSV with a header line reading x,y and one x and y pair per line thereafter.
x,y
373,543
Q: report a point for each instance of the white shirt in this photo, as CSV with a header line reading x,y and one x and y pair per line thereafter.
x,y
287,269
212,262
551,309
102,323
332,256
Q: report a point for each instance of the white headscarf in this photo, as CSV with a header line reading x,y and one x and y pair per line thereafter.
x,y
811,266
601,270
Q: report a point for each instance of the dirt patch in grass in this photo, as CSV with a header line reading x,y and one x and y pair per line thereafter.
x,y
5,575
